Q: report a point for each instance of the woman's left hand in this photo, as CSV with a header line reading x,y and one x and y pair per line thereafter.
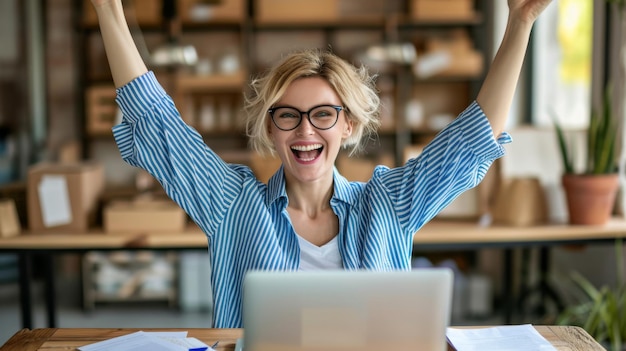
x,y
527,10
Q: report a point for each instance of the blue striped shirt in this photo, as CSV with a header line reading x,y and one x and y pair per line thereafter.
x,y
246,221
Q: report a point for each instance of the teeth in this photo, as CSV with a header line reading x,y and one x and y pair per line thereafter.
x,y
306,147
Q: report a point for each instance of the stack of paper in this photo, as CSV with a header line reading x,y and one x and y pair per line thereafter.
x,y
510,338
149,341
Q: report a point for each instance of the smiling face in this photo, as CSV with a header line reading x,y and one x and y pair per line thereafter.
x,y
308,154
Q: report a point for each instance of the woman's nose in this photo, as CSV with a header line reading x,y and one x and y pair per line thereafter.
x,y
305,127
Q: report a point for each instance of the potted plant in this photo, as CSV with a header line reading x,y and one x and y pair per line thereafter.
x,y
601,311
591,192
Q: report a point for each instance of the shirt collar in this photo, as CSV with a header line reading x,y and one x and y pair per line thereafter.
x,y
276,190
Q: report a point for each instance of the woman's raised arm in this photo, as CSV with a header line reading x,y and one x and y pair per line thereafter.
x,y
124,59
496,94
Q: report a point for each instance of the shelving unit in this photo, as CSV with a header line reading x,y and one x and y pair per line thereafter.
x,y
253,34
125,276
237,39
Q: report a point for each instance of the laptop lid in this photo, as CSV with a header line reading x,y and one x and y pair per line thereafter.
x,y
347,310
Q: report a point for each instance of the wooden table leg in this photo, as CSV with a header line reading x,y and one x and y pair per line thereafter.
x,y
507,291
25,293
50,290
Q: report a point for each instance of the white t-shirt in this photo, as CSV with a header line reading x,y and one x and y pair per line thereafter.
x,y
313,257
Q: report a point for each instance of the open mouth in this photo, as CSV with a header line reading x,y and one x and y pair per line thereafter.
x,y
307,153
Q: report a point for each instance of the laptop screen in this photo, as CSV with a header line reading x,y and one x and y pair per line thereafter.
x,y
347,310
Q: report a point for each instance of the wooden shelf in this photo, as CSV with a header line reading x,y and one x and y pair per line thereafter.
x,y
259,31
352,23
404,23
409,23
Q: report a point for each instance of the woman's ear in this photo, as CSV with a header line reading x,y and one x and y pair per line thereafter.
x,y
347,130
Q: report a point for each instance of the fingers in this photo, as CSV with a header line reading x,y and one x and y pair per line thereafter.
x,y
527,10
98,3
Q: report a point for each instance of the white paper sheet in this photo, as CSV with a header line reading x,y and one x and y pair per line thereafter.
x,y
190,344
503,338
148,341
54,200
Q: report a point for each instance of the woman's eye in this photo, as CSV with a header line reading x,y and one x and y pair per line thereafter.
x,y
288,115
322,113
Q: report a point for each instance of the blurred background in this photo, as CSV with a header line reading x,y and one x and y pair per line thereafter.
x,y
57,108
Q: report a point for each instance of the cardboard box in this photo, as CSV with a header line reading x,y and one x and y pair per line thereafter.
x,y
296,11
442,9
16,191
64,197
469,64
101,108
357,169
454,41
9,221
370,10
530,207
144,12
141,216
462,60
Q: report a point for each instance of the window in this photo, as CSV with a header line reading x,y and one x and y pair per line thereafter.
x,y
562,64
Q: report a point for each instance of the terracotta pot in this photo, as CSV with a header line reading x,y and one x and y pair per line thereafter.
x,y
590,198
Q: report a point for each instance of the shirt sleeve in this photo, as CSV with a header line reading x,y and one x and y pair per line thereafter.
x,y
153,136
456,160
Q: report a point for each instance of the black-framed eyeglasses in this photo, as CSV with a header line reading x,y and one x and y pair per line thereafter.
x,y
289,118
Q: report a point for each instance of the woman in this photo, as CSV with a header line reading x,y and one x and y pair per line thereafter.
x,y
308,216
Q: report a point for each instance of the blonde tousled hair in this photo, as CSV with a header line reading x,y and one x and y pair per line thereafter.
x,y
354,86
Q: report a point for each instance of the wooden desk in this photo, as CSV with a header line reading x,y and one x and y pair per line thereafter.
x,y
53,339
436,235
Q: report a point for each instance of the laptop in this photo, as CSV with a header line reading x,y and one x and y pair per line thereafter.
x,y
346,310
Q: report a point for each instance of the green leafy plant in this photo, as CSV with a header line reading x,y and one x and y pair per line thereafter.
x,y
602,312
619,3
601,142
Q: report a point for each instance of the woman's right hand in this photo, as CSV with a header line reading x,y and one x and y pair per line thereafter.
x,y
97,3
